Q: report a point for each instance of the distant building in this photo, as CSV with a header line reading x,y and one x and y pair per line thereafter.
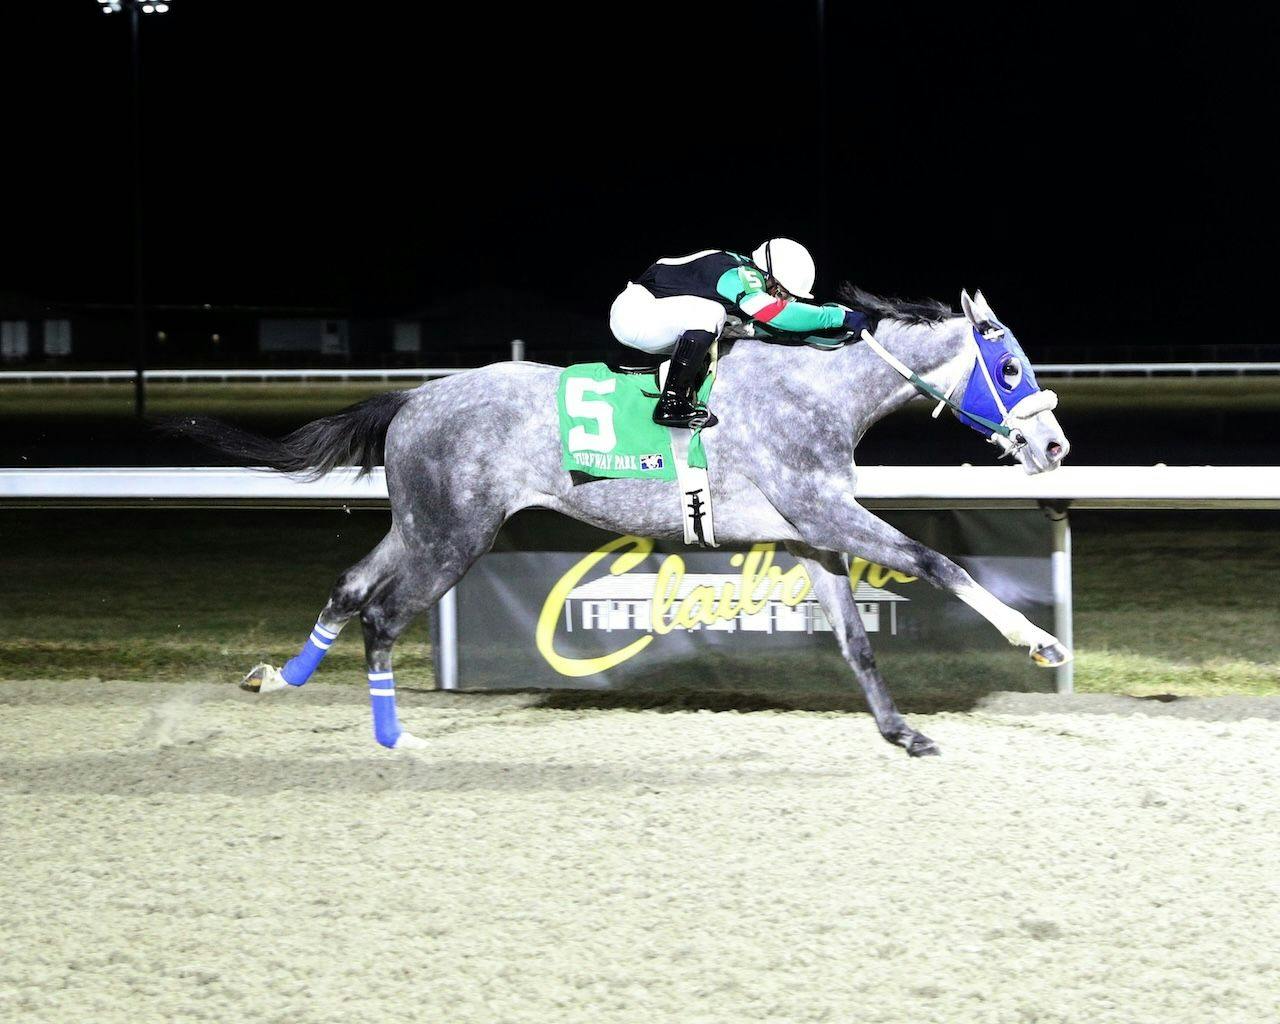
x,y
482,321
33,330
406,337
465,328
323,336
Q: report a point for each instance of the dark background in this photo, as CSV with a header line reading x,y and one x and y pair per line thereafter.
x,y
1105,175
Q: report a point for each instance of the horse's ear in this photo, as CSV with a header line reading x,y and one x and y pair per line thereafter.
x,y
983,309
966,304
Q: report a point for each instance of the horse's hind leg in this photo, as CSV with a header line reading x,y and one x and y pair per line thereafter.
x,y
424,571
349,595
830,577
384,619
398,580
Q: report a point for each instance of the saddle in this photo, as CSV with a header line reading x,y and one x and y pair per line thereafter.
x,y
607,431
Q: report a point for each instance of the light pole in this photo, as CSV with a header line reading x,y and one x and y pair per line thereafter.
x,y
135,9
824,233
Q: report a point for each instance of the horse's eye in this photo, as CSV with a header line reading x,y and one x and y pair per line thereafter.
x,y
1011,374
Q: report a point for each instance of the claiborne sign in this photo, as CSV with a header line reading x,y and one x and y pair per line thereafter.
x,y
747,599
558,604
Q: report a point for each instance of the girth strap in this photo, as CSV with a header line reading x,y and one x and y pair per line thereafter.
x,y
693,484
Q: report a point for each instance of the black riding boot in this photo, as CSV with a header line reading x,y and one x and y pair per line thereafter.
x,y
676,405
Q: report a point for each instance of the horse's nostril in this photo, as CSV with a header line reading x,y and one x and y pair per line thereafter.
x,y
1054,450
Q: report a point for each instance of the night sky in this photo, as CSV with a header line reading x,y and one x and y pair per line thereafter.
x,y
1104,176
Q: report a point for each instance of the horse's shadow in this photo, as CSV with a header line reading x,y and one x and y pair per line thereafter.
x,y
669,699
925,682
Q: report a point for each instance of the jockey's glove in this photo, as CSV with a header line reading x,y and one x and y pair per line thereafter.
x,y
858,322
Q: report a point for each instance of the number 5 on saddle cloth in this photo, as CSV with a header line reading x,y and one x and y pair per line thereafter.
x,y
607,430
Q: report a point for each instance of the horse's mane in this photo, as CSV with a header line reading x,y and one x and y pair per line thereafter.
x,y
928,311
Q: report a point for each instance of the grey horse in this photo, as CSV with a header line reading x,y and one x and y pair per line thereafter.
x,y
464,453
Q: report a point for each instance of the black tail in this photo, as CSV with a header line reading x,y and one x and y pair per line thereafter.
x,y
353,437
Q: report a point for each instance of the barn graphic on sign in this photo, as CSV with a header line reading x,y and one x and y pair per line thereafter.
x,y
626,603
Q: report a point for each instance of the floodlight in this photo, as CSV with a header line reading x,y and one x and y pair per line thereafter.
x,y
150,7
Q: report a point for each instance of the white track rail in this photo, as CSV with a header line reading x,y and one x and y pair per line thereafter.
x,y
220,376
1155,369
1080,487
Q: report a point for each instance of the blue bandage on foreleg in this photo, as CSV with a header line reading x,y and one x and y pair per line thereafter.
x,y
382,698
299,668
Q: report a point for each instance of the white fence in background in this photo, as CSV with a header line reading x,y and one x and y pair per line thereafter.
x,y
219,376
886,487
1156,369
1079,487
430,373
234,376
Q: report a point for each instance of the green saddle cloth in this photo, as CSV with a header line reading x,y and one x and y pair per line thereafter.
x,y
607,428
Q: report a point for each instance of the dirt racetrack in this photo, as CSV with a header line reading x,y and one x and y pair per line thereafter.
x,y
193,853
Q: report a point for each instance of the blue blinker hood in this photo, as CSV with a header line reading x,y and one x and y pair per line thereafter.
x,y
998,350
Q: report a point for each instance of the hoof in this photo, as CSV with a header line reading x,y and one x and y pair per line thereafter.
x,y
916,744
263,679
922,746
408,741
1050,655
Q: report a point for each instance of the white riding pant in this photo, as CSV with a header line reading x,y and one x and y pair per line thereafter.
x,y
642,321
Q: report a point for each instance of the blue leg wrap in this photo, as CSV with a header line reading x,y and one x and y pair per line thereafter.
x,y
382,698
298,669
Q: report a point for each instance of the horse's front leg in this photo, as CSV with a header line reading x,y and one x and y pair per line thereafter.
x,y
830,577
844,525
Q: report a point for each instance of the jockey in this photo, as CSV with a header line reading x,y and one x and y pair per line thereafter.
x,y
679,305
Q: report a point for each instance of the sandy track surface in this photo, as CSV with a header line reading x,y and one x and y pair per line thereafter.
x,y
191,853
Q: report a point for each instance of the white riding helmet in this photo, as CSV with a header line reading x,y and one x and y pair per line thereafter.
x,y
788,263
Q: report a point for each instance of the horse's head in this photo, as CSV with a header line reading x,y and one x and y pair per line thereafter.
x,y
1002,391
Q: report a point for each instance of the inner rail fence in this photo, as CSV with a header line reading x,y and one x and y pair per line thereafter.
x,y
878,487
